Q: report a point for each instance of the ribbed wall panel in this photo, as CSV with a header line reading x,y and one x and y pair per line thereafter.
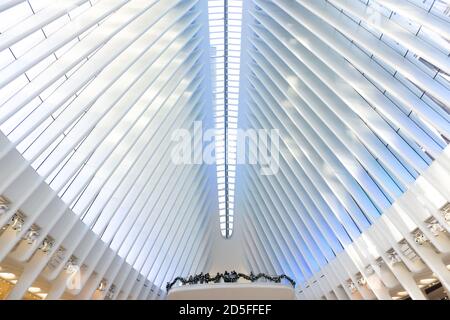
x,y
90,95
360,93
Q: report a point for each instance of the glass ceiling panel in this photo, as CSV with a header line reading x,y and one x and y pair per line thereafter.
x,y
225,36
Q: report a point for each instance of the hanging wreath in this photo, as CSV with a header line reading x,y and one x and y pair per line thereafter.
x,y
232,276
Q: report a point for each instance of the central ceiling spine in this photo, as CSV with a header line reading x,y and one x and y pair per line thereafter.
x,y
225,39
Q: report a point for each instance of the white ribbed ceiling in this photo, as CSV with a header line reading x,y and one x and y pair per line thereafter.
x,y
92,91
360,93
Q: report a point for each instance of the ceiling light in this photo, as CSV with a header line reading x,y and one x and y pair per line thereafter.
x,y
7,275
102,285
42,295
31,236
3,208
370,270
352,286
435,228
402,293
428,280
17,222
362,281
394,258
34,289
420,238
47,244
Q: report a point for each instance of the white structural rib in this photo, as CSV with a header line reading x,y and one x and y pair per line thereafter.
x,y
360,93
9,3
91,93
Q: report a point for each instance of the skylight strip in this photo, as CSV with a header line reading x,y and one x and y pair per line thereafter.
x,y
225,33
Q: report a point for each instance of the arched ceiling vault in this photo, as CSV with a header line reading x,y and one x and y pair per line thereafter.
x,y
92,94
359,91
